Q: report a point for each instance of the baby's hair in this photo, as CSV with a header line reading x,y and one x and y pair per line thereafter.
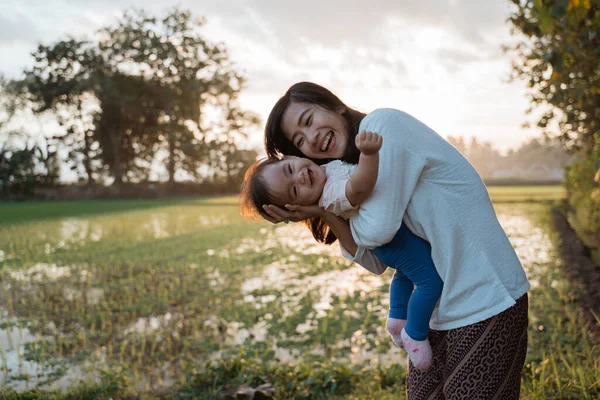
x,y
255,194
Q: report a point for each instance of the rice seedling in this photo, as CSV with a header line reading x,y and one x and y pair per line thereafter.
x,y
188,299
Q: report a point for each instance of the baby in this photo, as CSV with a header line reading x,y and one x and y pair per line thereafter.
x,y
340,188
295,180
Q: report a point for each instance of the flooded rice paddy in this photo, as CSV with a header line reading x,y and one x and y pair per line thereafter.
x,y
148,292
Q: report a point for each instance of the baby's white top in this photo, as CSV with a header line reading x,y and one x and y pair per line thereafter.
x,y
426,183
334,197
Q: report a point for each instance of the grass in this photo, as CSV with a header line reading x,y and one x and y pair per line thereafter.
x,y
519,194
15,212
183,299
565,359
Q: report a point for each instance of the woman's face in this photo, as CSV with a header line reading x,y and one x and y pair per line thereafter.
x,y
315,131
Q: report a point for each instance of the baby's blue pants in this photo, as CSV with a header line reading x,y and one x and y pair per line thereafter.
x,y
410,256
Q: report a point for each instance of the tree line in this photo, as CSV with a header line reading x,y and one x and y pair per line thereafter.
x,y
489,162
149,90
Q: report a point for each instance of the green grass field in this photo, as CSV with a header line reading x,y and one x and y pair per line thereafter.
x,y
186,298
518,194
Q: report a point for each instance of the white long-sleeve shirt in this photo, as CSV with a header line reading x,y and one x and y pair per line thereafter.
x,y
425,182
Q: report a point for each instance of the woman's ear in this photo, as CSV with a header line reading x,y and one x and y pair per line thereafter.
x,y
341,110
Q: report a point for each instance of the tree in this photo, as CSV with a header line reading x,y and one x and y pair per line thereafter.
x,y
226,159
483,157
187,71
62,82
458,143
559,57
150,80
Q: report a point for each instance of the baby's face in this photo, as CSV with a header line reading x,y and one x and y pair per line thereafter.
x,y
295,180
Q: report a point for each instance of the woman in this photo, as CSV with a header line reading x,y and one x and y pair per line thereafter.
x,y
479,329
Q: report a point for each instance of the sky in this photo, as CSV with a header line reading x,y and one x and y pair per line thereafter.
x,y
439,60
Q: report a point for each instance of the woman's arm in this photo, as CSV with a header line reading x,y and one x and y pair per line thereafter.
x,y
401,164
350,250
348,247
341,229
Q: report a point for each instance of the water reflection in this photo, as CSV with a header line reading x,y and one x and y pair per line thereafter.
x,y
69,233
13,341
150,324
327,284
41,272
531,243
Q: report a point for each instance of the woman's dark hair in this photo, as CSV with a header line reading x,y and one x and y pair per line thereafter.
x,y
277,144
255,194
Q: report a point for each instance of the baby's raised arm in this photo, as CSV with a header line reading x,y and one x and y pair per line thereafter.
x,y
362,182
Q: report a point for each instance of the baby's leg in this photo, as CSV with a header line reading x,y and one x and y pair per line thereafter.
x,y
400,289
424,298
428,290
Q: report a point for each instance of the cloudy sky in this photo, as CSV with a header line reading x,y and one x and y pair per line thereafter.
x,y
439,60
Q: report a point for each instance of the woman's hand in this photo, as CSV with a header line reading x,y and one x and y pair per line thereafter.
x,y
293,213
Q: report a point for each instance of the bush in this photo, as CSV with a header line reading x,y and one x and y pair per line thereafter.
x,y
583,188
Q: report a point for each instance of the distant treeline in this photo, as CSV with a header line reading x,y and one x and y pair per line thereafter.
x,y
534,160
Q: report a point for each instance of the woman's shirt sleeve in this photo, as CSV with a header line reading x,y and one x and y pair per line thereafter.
x,y
366,259
400,167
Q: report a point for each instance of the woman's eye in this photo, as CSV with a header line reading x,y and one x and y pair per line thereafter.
x,y
299,142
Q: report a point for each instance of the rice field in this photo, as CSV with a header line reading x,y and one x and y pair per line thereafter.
x,y
184,299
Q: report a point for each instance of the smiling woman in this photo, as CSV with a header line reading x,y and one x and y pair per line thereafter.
x,y
314,123
479,325
315,130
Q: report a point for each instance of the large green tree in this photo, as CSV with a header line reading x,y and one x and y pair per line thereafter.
x,y
150,79
61,82
187,72
558,54
559,57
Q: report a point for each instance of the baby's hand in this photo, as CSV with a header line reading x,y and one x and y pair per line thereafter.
x,y
368,143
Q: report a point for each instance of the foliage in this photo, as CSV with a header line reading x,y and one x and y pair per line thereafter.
x,y
61,82
23,165
180,291
488,160
136,96
559,56
109,386
300,381
20,170
584,198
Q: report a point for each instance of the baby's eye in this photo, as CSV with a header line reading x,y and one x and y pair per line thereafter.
x,y
290,168
308,120
295,192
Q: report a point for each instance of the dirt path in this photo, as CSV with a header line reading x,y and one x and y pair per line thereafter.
x,y
580,269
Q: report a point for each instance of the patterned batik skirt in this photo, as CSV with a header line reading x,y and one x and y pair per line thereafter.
x,y
482,361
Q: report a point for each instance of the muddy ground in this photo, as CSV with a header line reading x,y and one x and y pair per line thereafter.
x,y
580,269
